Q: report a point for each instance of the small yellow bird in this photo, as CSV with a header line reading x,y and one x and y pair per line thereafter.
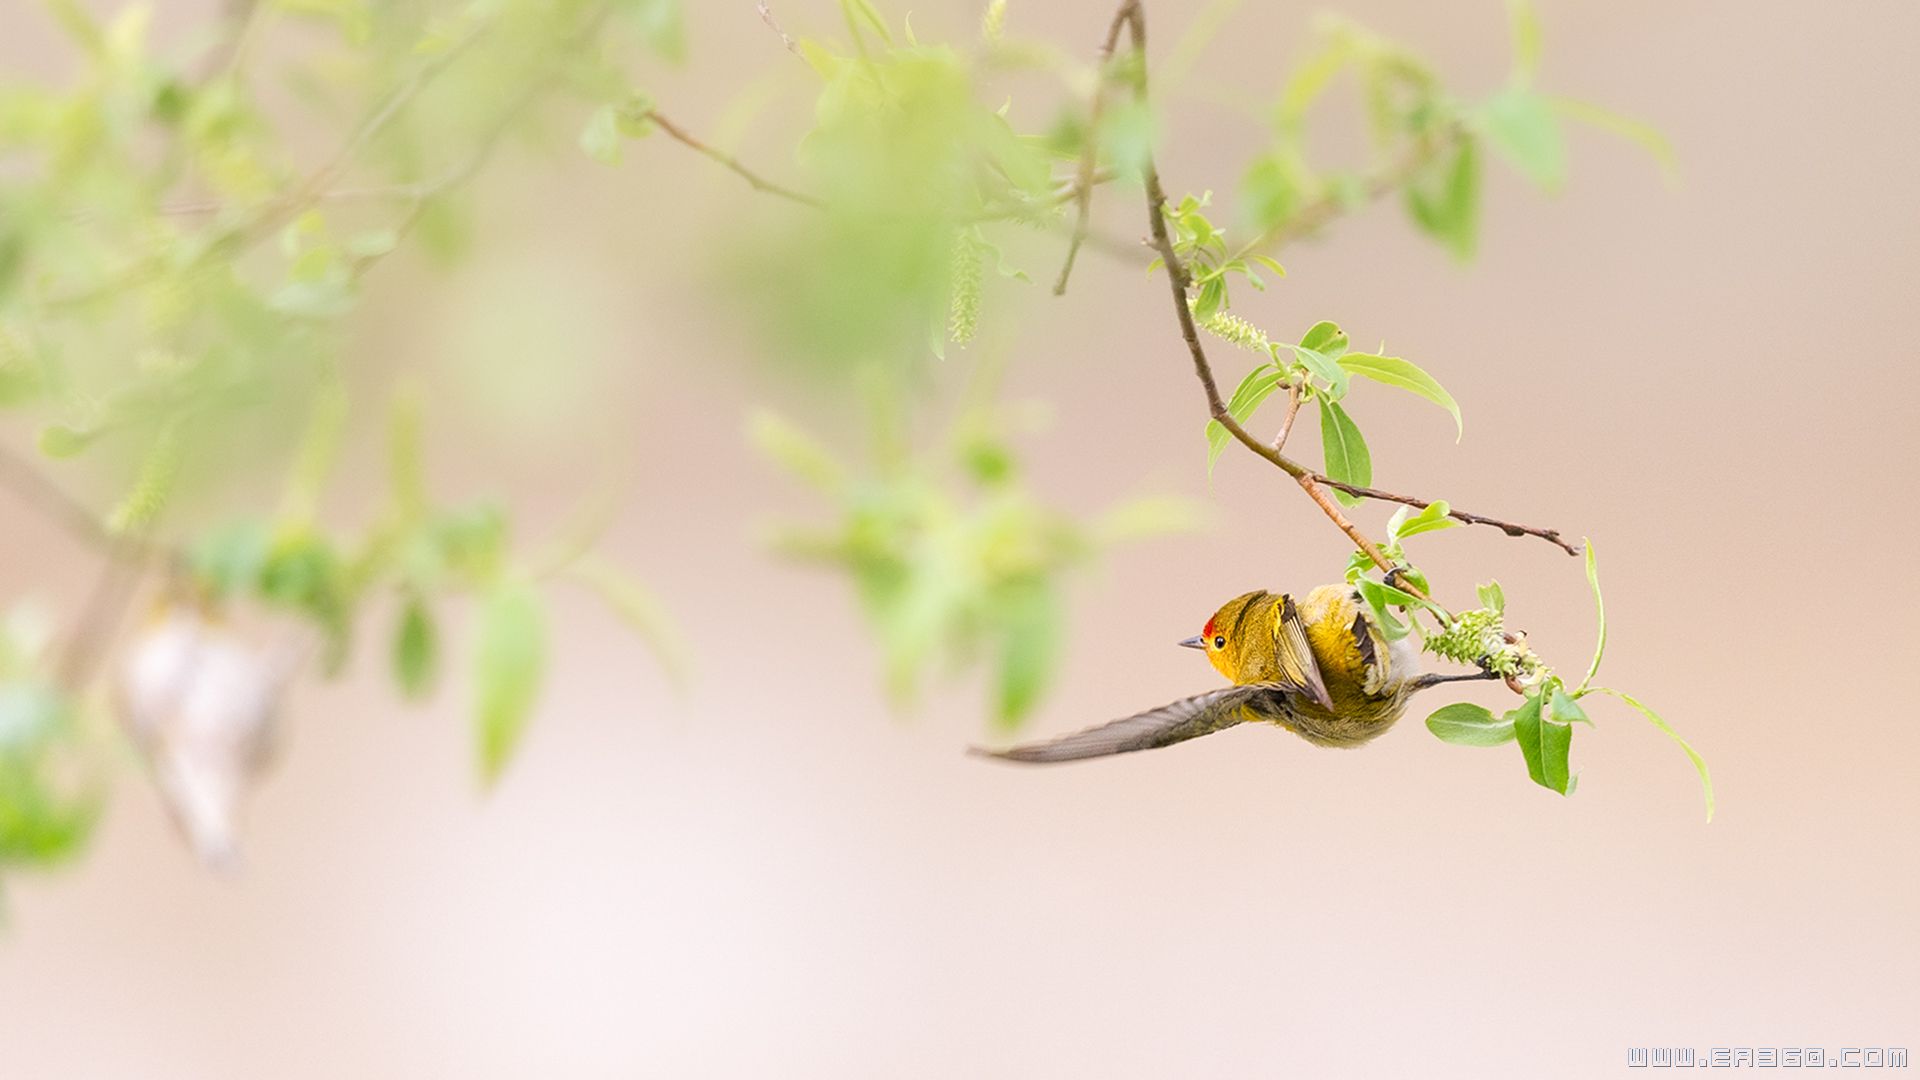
x,y
1321,668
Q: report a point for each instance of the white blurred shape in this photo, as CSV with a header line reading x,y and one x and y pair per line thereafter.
x,y
201,701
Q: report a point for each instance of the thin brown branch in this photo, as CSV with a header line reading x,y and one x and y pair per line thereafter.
x,y
760,183
1286,424
33,487
1177,280
127,557
101,614
1511,528
1313,483
766,16
1082,189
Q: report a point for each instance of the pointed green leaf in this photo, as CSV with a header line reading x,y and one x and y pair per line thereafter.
x,y
1346,452
1379,598
600,138
509,663
1449,210
1325,338
1493,597
1645,135
1323,367
1431,518
1699,763
1524,22
60,441
416,650
1393,371
634,602
1600,612
1523,127
1562,707
1029,653
1257,387
1544,742
786,445
1466,724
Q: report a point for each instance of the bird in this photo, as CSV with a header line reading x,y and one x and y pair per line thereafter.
x,y
1320,667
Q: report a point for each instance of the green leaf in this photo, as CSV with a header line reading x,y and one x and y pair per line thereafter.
x,y
1450,211
60,441
600,138
1213,296
1493,597
1377,599
1325,338
416,650
1524,23
1544,742
1030,649
372,243
1523,127
636,603
1466,724
1323,367
1346,452
864,11
1126,135
1431,518
1646,135
663,26
1389,595
1394,371
1258,385
786,445
231,558
634,117
1699,763
510,662
1565,709
1600,612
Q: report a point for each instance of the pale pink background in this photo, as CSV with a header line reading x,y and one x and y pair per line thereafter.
x,y
774,876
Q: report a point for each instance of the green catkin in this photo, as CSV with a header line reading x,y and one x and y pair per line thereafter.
x,y
993,23
1479,637
152,486
1232,328
963,314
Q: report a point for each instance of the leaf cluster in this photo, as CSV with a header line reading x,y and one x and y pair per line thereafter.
x,y
953,559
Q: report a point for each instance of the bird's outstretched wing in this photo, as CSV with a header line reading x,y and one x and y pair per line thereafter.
x,y
1294,655
1188,718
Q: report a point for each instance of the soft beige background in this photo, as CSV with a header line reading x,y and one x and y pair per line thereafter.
x,y
774,877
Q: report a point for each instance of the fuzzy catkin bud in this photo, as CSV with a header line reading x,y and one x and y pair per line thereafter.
x,y
963,315
1477,637
993,23
153,486
1232,328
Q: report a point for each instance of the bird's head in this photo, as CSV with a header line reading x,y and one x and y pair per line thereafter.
x,y
1225,634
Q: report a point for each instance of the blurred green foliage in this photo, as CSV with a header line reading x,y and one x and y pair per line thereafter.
x,y
185,239
953,558
49,795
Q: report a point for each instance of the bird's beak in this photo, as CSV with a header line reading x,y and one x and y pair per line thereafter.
x,y
1195,642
